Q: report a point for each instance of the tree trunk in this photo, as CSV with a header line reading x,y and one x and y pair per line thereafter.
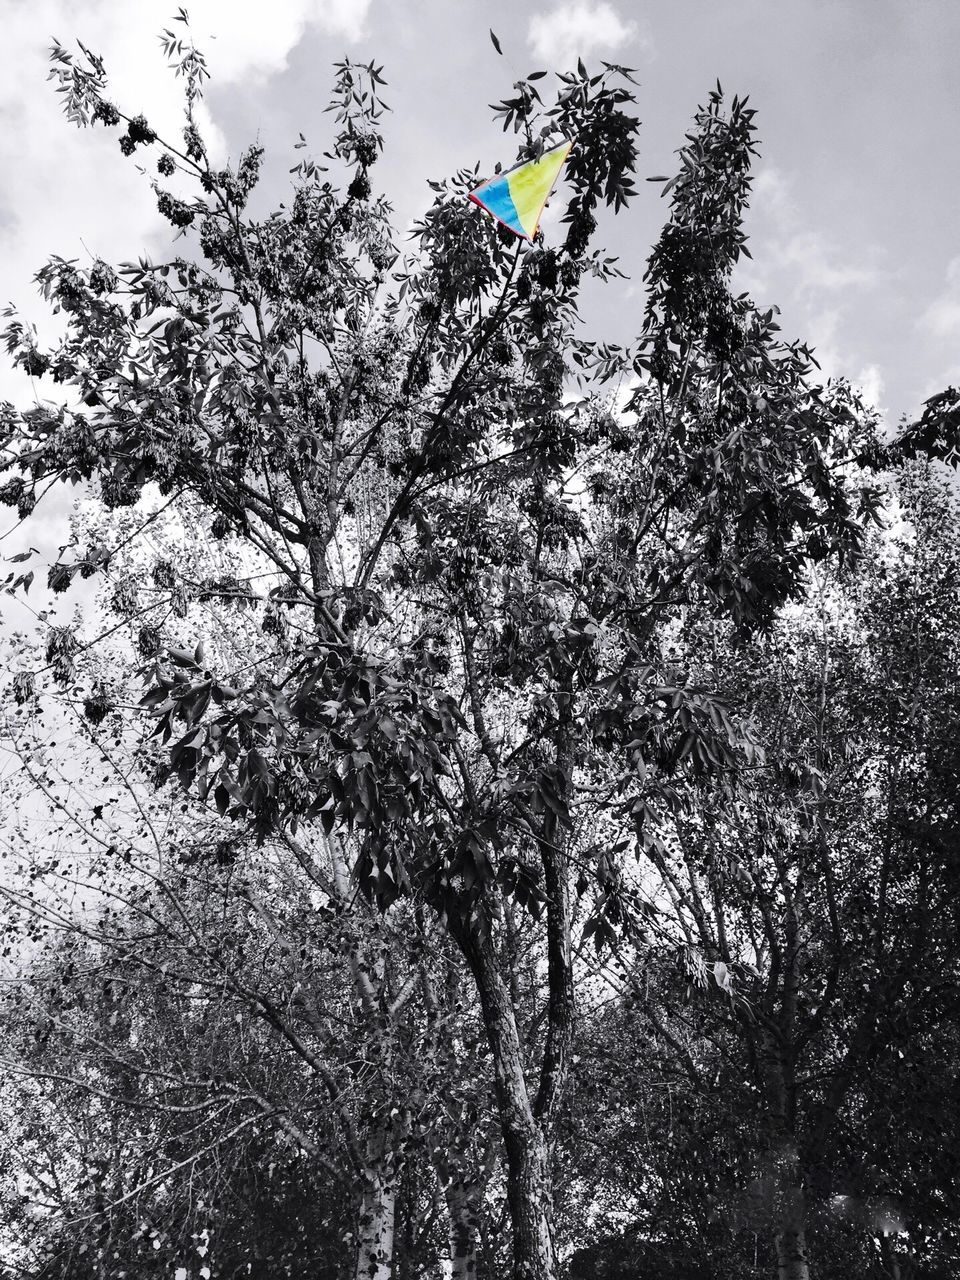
x,y
784,1158
529,1194
378,1206
463,1231
378,1202
891,1263
791,1241
553,1069
407,1233
525,1144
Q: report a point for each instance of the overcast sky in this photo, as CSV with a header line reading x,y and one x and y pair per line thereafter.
x,y
854,224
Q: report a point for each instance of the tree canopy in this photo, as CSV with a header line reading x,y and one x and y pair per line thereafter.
x,y
491,767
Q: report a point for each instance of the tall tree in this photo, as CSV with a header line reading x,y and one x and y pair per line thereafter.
x,y
476,575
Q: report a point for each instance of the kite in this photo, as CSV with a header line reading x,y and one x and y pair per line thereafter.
x,y
516,198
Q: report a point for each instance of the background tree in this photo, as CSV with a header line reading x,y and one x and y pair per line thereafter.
x,y
212,1005
812,915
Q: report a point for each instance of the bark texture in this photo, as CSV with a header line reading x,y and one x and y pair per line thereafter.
x,y
377,1219
792,1248
527,1150
776,1062
463,1232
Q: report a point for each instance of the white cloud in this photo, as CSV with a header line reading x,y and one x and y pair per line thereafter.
x,y
817,281
578,29
939,325
771,190
941,319
820,332
818,263
870,380
74,194
241,38
820,266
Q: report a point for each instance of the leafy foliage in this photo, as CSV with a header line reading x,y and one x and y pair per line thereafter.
x,y
428,589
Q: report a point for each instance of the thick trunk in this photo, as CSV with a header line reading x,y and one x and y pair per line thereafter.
x,y
784,1160
791,1239
527,1151
377,1218
529,1194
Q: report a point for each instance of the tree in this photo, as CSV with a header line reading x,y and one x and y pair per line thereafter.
x,y
200,1007
813,918
255,999
473,577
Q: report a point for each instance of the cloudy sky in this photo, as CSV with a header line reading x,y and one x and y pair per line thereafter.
x,y
854,225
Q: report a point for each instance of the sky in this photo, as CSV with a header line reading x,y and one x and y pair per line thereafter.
x,y
854,229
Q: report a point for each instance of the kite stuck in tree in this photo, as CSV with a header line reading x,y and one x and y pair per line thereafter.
x,y
517,198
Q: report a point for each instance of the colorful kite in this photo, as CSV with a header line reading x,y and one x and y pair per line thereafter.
x,y
516,198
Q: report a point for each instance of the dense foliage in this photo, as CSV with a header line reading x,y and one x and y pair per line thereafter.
x,y
495,804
